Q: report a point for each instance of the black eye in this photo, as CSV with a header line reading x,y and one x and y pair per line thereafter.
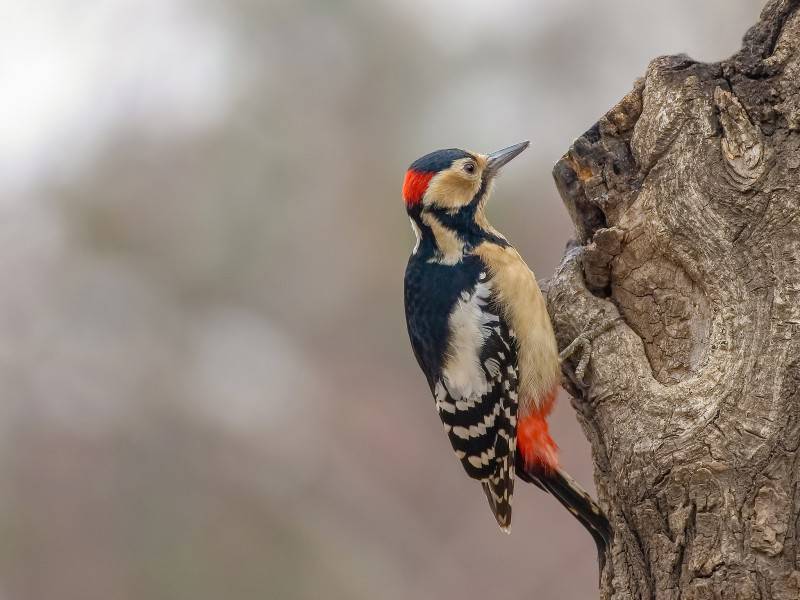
x,y
469,168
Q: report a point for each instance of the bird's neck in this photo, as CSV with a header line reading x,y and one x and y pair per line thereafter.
x,y
447,237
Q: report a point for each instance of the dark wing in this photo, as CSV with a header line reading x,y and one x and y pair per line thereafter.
x,y
476,396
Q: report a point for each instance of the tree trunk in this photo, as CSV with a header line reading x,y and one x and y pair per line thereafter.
x,y
686,202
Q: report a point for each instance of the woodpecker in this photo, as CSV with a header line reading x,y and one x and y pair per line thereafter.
x,y
482,336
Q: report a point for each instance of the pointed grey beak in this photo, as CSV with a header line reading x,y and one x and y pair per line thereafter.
x,y
501,157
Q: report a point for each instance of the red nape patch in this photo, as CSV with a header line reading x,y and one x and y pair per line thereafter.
x,y
414,186
539,451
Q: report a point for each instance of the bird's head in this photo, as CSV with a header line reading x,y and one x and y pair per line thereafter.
x,y
447,189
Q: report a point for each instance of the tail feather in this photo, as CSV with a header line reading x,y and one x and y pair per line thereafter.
x,y
576,500
499,490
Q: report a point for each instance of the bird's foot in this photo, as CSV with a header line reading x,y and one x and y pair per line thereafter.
x,y
584,343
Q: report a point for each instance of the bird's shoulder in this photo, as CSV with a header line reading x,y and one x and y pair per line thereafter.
x,y
504,262
432,291
513,282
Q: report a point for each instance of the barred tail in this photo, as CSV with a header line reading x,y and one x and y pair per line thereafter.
x,y
499,489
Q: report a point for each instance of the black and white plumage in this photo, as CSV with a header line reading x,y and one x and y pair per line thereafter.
x,y
468,354
481,334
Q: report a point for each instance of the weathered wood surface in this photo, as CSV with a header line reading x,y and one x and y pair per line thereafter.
x,y
686,202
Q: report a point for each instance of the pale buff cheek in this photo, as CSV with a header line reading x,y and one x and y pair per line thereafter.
x,y
450,189
480,215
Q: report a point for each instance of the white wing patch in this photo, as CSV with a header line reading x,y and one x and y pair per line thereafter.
x,y
476,395
470,326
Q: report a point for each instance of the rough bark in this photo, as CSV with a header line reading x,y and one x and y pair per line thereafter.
x,y
686,202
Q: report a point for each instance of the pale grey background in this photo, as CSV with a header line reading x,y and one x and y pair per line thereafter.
x,y
207,388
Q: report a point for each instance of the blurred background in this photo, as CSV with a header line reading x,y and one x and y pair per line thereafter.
x,y
207,387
